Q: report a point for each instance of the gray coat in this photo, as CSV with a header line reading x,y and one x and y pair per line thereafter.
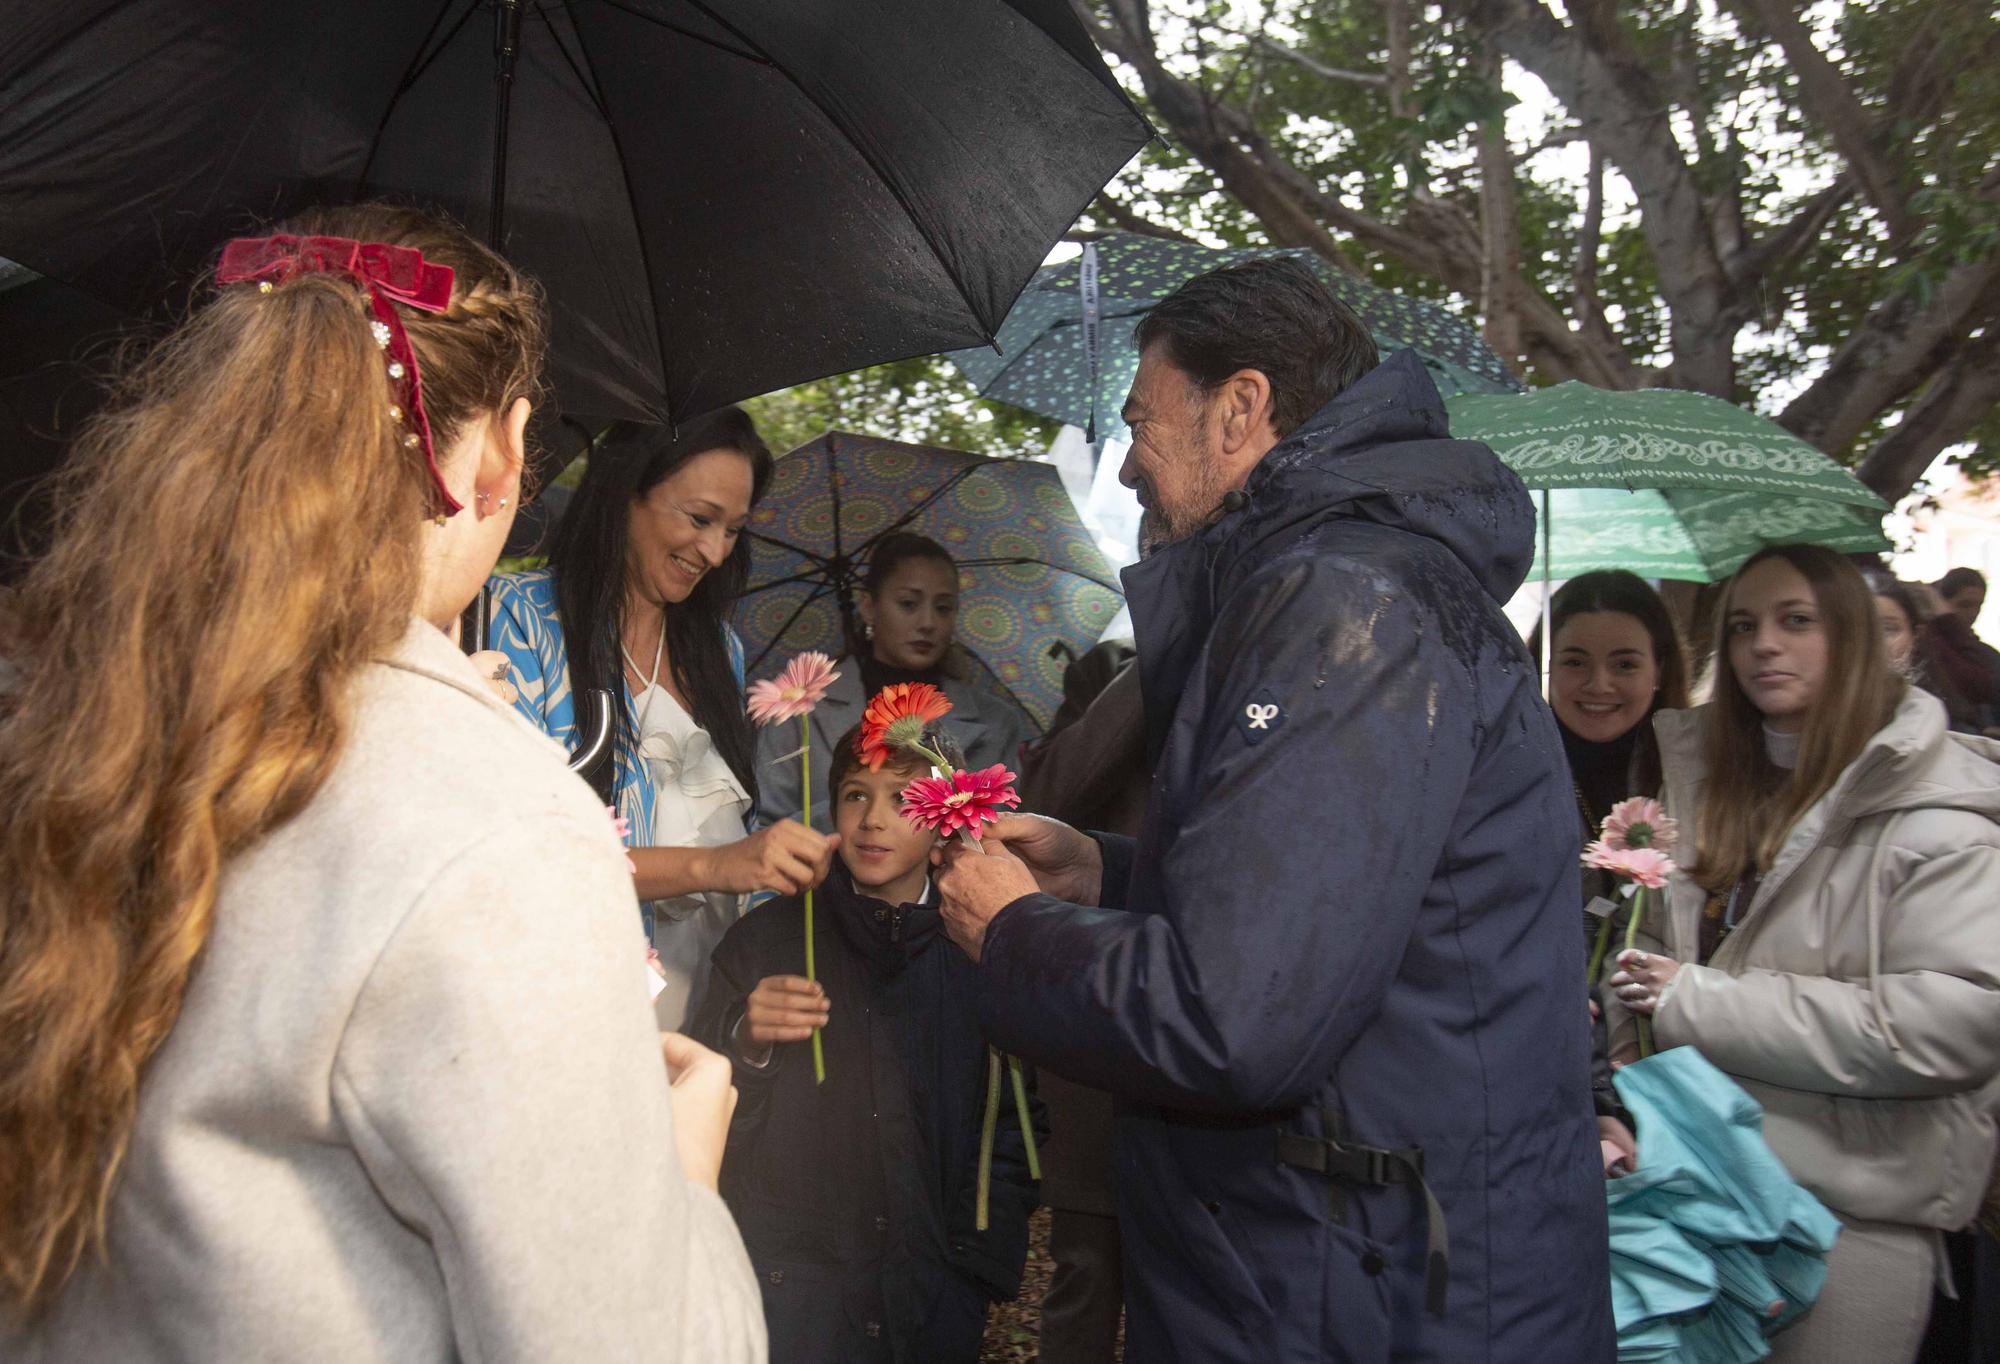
x,y
989,728
413,1108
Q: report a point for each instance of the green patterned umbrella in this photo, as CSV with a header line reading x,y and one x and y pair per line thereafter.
x,y
1691,535
1667,483
1043,360
1576,436
1035,589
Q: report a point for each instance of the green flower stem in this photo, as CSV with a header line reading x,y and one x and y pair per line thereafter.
x,y
1597,953
979,1217
1027,1127
806,785
1631,940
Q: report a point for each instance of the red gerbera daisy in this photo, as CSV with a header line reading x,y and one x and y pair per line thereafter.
x,y
897,718
960,801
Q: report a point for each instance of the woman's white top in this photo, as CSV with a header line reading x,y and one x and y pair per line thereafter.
x,y
697,803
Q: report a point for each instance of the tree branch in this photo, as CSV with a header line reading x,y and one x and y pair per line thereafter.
x,y
1611,91
1897,347
1956,400
1826,95
1396,17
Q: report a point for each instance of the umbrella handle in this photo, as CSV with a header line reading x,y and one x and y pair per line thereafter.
x,y
600,730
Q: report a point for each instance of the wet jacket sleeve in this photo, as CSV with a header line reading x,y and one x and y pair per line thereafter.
x,y
1938,993
1299,858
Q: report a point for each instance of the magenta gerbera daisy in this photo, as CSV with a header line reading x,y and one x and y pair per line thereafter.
x,y
961,801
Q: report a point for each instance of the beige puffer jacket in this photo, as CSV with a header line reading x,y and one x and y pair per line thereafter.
x,y
1858,999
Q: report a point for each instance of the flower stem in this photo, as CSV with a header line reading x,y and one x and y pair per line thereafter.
x,y
1597,952
806,794
1027,1127
1631,940
980,1203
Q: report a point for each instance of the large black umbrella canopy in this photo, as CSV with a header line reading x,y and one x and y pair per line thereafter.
x,y
721,199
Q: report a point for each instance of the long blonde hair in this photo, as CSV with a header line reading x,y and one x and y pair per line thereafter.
x,y
238,534
1750,804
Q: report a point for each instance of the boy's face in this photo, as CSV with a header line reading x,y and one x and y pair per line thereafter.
x,y
882,850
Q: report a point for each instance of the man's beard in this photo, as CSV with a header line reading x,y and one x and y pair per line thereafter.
x,y
1203,492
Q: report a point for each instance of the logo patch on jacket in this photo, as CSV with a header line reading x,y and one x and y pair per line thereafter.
x,y
1261,716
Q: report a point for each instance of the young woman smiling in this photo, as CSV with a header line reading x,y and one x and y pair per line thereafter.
x,y
1830,945
1616,661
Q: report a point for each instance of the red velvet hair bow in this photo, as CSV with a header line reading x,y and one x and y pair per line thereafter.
x,y
389,273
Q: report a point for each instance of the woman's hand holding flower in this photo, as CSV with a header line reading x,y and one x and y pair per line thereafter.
x,y
1643,979
786,858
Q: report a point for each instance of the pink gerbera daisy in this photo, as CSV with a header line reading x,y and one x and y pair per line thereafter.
x,y
962,800
794,692
1648,866
1639,823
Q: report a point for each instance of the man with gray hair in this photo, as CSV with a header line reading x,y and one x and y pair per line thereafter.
x,y
1335,984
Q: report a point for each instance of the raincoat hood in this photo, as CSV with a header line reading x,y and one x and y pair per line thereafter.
x,y
1359,457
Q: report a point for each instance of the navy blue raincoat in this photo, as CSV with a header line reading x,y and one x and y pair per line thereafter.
x,y
1351,914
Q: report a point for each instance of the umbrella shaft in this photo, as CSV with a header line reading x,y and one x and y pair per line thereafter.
x,y
506,50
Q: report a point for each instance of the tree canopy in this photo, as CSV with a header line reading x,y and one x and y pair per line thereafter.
x,y
1796,207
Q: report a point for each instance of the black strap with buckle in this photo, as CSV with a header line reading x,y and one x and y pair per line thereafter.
x,y
1379,1167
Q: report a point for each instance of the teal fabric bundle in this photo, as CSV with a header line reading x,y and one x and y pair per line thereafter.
x,y
1713,1247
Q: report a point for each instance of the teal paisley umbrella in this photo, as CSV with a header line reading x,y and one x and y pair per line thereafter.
x,y
1075,320
1035,590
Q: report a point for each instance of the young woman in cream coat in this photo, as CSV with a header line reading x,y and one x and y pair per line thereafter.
x,y
1835,947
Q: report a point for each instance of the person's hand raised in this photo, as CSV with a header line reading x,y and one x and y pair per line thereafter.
x,y
786,858
704,1100
1064,863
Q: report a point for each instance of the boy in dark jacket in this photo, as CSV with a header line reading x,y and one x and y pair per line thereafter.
x,y
856,1196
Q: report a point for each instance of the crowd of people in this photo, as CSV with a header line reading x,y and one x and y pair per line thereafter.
x,y
321,1023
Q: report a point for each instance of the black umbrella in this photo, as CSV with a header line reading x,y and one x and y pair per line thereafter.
x,y
720,199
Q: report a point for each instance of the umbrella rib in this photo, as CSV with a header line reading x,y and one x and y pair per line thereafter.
x,y
986,329
589,86
789,547
645,253
426,54
654,19
1049,564
790,621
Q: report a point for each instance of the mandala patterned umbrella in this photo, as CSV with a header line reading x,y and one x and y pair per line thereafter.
x,y
1044,358
1035,589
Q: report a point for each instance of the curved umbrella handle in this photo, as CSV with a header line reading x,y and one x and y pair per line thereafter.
x,y
595,704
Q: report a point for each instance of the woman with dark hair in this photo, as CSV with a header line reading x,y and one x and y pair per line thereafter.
x,y
908,607
1616,661
1829,943
649,558
1906,639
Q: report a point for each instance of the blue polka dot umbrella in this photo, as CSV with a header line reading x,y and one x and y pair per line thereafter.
x,y
1045,359
1035,591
